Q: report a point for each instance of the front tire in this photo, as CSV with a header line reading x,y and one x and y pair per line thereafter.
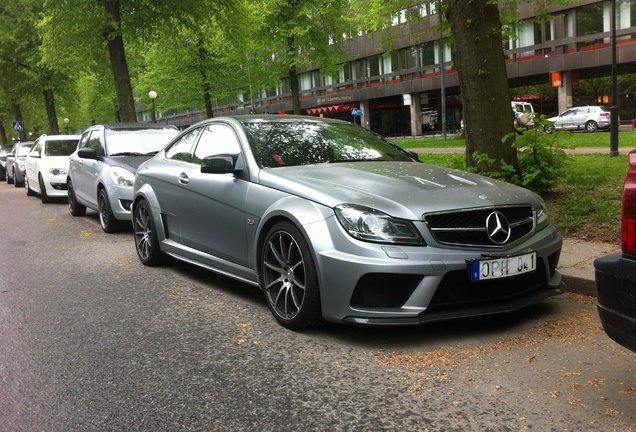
x,y
591,126
289,279
15,180
146,239
106,216
74,207
45,197
10,177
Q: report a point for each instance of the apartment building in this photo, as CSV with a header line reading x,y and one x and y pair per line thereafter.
x,y
404,92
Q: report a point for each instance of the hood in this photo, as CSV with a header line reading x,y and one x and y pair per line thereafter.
x,y
131,163
401,189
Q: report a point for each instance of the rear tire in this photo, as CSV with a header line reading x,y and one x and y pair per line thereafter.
x,y
591,126
74,207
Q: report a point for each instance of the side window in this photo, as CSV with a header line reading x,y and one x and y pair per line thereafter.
x,y
182,150
95,143
217,140
84,140
37,149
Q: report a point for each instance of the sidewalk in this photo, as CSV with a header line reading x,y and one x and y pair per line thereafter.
x,y
577,264
581,150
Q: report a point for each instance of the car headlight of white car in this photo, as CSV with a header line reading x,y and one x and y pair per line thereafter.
x,y
364,223
122,177
57,171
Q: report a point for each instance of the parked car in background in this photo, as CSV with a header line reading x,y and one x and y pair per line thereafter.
x,y
47,166
4,150
334,222
616,273
587,118
102,169
15,163
524,114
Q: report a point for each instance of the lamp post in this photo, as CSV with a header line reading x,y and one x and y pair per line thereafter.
x,y
66,122
153,95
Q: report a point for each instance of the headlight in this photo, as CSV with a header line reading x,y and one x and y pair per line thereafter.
x,y
367,224
543,220
57,171
122,177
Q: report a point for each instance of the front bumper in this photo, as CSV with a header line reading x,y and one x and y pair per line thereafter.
x,y
616,292
371,284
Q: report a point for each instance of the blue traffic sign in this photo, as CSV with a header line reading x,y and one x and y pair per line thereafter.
x,y
356,112
18,126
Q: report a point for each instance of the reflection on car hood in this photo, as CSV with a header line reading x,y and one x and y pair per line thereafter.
x,y
131,163
401,189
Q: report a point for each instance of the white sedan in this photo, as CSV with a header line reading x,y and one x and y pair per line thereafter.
x,y
47,166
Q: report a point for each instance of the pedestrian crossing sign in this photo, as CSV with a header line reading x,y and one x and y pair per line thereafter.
x,y
18,126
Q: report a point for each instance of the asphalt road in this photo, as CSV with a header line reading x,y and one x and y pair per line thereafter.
x,y
91,340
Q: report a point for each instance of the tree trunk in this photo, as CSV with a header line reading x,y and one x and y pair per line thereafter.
x,y
17,112
49,102
295,89
119,65
3,133
478,56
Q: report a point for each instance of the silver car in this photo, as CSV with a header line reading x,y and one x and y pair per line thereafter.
x,y
102,169
333,222
587,118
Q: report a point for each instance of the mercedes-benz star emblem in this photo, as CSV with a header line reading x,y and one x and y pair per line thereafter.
x,y
497,228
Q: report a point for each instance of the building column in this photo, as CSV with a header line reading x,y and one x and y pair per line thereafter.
x,y
565,91
365,120
416,114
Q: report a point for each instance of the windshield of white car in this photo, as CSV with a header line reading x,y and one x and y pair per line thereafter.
x,y
143,141
286,143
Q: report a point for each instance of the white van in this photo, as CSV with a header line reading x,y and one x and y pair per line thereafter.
x,y
524,114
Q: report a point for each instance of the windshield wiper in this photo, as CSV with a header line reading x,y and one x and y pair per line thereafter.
x,y
127,154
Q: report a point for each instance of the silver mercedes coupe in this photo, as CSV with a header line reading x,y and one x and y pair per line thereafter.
x,y
335,223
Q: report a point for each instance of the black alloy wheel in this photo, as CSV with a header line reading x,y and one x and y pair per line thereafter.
x,y
289,279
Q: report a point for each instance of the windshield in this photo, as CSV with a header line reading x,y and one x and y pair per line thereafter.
x,y
137,141
285,143
60,147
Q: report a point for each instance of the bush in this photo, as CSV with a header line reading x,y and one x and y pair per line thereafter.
x,y
541,157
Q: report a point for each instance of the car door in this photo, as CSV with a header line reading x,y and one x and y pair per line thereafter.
x,y
564,121
32,165
165,181
579,118
86,172
211,207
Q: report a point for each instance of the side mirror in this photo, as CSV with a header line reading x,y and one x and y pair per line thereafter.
x,y
219,164
87,153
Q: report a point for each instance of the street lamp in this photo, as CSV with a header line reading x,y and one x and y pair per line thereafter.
x,y
153,95
66,122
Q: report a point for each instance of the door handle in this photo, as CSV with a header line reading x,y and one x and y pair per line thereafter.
x,y
183,178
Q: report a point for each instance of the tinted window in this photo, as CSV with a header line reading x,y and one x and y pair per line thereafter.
x,y
181,149
217,140
60,147
280,143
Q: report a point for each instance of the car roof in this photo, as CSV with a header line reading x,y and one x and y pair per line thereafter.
x,y
132,126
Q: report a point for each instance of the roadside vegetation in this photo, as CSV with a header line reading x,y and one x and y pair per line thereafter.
x,y
585,201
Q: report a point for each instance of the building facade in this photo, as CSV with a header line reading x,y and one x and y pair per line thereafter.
x,y
403,92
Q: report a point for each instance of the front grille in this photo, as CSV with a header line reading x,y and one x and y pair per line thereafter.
x,y
468,227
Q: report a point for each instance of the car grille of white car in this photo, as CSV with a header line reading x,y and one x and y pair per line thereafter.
x,y
468,227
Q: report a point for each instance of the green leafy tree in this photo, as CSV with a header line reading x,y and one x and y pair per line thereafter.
x,y
302,34
83,33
